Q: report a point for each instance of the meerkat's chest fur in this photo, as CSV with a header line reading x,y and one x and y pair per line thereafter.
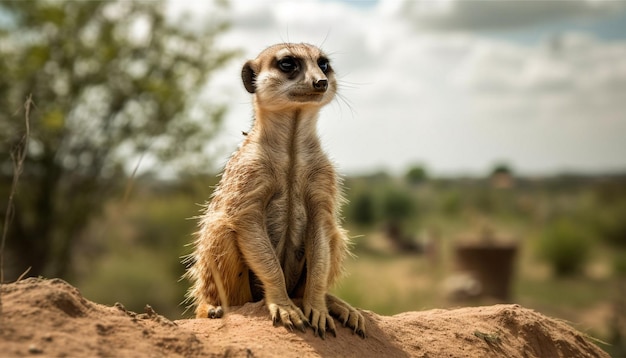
x,y
285,150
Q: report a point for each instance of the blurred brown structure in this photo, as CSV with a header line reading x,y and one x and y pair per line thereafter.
x,y
490,262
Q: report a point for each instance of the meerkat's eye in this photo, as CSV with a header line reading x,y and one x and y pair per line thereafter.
x,y
287,64
324,64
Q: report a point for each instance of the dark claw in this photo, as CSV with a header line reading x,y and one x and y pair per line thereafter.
x,y
361,333
219,312
333,332
302,327
275,321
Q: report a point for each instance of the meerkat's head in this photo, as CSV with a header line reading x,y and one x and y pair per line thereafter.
x,y
290,75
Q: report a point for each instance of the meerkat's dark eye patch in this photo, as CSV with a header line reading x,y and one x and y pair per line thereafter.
x,y
288,64
324,64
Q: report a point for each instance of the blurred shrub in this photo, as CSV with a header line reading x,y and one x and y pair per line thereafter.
x,y
565,247
451,203
398,209
416,175
611,225
362,209
619,264
397,205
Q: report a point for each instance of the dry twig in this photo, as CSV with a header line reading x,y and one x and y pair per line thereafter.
x,y
18,156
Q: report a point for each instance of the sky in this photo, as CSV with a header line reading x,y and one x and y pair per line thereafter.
x,y
456,86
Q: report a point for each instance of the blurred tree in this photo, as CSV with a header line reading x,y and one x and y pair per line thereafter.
x,y
416,175
397,208
362,209
501,168
451,202
397,205
610,198
112,82
565,247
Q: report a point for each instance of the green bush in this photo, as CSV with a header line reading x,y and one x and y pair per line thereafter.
x,y
397,205
619,264
416,175
362,209
611,225
565,247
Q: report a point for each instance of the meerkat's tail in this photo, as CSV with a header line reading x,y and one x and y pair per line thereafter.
x,y
191,295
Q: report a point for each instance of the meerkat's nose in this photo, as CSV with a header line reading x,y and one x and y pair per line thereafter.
x,y
320,85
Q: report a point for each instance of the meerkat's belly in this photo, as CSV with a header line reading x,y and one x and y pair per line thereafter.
x,y
286,223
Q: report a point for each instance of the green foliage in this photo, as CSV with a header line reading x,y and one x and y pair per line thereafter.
x,y
416,175
610,222
112,82
362,209
619,264
451,202
612,227
397,205
376,198
565,247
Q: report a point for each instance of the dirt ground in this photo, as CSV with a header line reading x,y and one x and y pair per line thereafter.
x,y
50,318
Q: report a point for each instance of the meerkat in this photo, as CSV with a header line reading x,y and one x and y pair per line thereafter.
x,y
272,229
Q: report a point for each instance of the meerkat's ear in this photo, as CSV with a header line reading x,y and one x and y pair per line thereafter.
x,y
249,77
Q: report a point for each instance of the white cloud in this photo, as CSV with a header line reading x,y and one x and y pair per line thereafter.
x,y
503,14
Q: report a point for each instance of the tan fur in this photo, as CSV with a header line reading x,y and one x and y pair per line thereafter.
x,y
274,214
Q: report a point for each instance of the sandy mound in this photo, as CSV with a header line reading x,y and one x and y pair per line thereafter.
x,y
51,318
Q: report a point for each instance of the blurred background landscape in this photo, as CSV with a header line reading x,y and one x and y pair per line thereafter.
x,y
482,145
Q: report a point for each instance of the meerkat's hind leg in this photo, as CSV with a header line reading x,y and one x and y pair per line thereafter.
x,y
206,310
346,314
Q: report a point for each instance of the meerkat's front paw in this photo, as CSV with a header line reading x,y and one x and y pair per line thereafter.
x,y
320,319
347,315
289,314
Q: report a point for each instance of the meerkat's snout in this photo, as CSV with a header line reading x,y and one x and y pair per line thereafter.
x,y
320,85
